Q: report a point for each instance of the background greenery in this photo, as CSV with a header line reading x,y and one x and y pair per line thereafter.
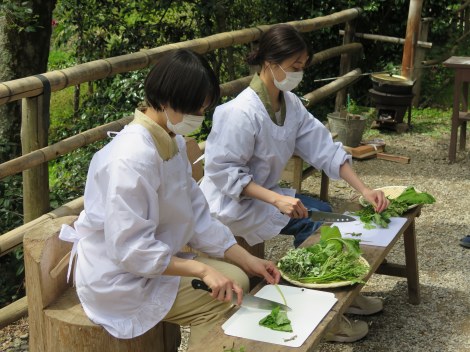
x,y
93,29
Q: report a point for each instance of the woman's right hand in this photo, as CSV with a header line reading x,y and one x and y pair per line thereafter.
x,y
290,206
222,287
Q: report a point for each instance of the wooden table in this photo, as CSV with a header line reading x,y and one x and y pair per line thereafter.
x,y
375,256
460,112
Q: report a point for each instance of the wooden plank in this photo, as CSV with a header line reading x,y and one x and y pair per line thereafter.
x,y
391,269
364,151
395,158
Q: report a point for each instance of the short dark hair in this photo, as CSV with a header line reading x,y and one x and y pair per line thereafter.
x,y
279,43
184,80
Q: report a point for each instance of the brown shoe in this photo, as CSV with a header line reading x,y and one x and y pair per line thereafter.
x,y
347,331
363,305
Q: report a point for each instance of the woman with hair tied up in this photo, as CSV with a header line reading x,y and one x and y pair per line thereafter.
x,y
142,207
252,138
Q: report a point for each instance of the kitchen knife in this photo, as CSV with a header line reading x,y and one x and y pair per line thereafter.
x,y
329,217
249,301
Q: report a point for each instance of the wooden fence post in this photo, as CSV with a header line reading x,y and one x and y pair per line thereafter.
x,y
411,39
34,135
420,53
345,63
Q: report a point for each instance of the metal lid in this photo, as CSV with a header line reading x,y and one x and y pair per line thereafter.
x,y
396,80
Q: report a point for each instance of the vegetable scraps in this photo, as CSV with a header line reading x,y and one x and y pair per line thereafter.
x,y
277,320
397,207
331,260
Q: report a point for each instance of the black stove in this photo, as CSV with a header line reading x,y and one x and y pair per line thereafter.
x,y
391,108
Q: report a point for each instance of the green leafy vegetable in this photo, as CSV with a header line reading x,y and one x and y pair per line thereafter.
x,y
410,197
277,320
397,207
332,259
282,295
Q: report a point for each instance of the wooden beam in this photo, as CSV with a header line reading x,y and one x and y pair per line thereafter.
x,y
388,39
346,63
411,38
13,312
14,238
65,146
331,88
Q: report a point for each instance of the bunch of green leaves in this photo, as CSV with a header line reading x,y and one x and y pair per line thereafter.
x,y
398,206
277,320
332,259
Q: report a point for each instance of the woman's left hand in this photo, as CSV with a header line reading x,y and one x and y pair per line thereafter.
x,y
264,268
377,199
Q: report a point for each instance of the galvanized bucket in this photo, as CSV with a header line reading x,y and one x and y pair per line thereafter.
x,y
349,130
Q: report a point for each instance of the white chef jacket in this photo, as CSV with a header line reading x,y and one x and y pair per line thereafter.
x,y
245,145
139,211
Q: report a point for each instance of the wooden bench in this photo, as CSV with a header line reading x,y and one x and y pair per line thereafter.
x,y
345,295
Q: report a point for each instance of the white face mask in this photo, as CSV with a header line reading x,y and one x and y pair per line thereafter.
x,y
291,81
189,124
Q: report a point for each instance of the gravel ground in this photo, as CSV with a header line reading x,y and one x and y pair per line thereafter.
x,y
442,321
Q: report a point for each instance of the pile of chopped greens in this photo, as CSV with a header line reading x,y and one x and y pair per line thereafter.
x,y
331,260
277,320
397,207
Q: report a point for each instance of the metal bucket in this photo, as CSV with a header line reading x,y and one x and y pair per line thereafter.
x,y
349,130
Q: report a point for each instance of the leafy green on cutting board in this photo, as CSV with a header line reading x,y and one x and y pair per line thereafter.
x,y
397,207
282,295
277,320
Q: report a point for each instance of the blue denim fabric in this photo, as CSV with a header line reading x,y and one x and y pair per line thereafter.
x,y
303,228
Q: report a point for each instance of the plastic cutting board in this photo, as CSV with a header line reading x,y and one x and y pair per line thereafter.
x,y
309,307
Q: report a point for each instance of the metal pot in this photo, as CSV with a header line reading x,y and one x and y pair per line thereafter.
x,y
391,84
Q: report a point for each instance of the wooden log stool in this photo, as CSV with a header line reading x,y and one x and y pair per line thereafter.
x,y
57,322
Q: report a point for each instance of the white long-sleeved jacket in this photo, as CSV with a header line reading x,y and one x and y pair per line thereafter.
x,y
139,211
245,145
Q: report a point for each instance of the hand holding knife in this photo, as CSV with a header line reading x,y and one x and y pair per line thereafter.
x,y
248,301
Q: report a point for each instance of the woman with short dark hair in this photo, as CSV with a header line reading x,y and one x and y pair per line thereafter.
x,y
142,207
253,137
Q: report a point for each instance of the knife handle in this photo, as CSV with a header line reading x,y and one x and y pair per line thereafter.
x,y
201,285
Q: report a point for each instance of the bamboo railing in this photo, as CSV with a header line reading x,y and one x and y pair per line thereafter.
x,y
33,91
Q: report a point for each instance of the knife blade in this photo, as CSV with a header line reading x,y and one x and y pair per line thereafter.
x,y
249,301
329,217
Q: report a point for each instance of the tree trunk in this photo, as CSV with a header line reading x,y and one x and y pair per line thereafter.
x,y
22,54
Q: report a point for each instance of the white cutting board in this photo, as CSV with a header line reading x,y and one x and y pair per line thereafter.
x,y
308,309
372,237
